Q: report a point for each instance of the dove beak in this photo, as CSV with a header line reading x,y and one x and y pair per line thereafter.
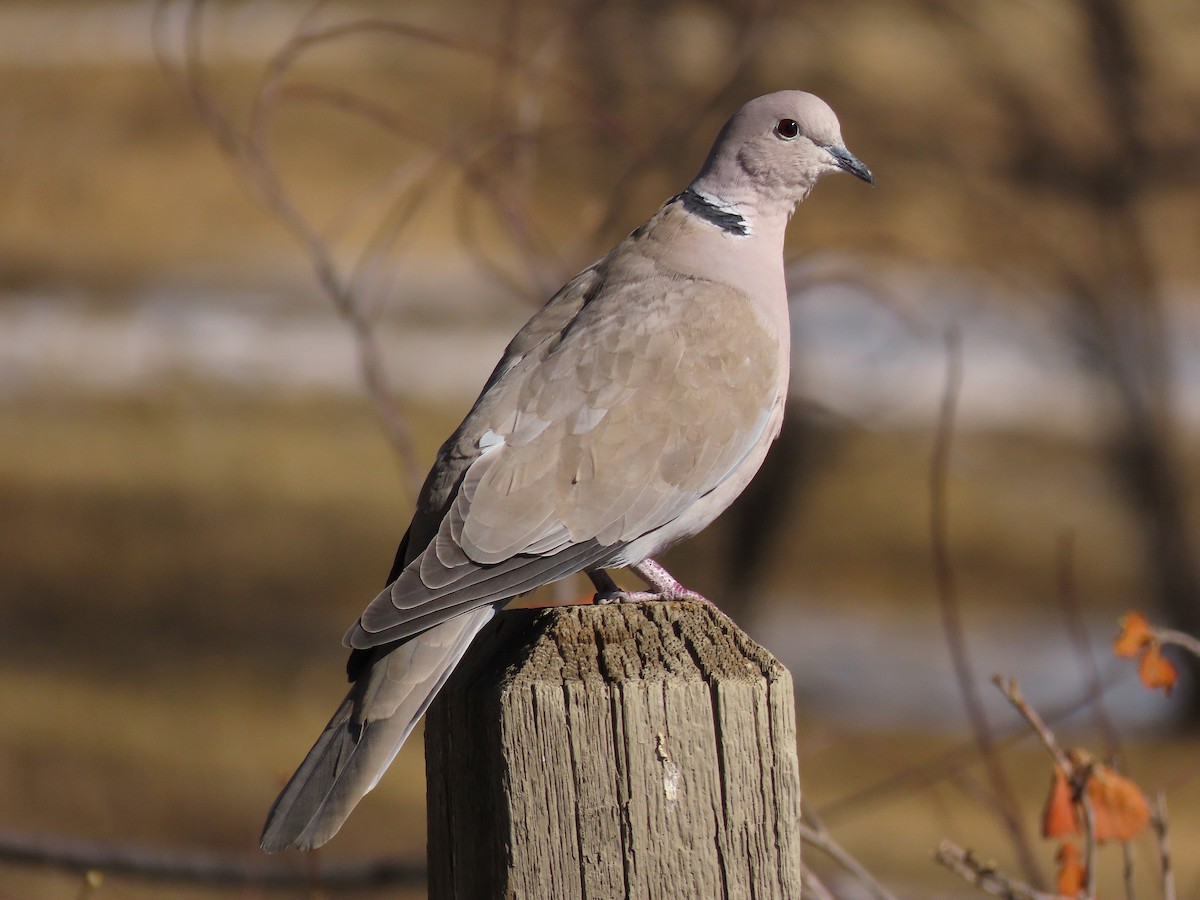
x,y
848,162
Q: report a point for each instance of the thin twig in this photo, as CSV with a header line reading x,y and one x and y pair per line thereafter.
x,y
471,161
370,278
973,789
1089,832
691,111
154,864
593,109
952,624
1127,870
814,832
1012,692
1077,628
945,765
1077,776
1161,832
251,161
1178,639
985,875
251,156
812,886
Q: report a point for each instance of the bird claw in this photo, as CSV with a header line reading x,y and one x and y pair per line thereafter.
x,y
603,598
663,587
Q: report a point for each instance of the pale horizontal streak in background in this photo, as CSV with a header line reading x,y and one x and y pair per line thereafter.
x,y
40,35
854,357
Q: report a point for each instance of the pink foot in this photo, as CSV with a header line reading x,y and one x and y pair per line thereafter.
x,y
662,584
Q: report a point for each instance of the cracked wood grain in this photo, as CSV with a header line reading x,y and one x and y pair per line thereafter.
x,y
629,750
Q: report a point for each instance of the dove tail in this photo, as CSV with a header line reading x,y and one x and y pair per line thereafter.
x,y
395,687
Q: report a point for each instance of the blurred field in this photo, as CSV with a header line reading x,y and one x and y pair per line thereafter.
x,y
180,558
192,576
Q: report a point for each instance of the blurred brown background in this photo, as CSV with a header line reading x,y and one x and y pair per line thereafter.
x,y
198,494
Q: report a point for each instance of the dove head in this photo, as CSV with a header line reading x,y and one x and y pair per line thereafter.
x,y
770,154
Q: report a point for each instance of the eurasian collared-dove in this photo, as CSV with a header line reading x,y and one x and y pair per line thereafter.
x,y
625,416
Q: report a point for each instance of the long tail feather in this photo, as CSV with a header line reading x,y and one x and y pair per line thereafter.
x,y
366,733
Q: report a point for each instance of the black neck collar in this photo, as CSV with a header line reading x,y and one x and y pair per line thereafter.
x,y
698,204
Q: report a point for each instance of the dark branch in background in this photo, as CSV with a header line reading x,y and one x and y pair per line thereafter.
x,y
1104,265
1143,452
491,169
474,167
948,764
252,162
251,157
1077,627
510,63
149,864
499,174
1112,286
693,111
985,738
511,197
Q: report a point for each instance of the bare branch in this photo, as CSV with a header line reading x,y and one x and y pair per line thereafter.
x,y
1127,871
946,764
154,864
251,158
985,876
1177,639
1077,627
813,832
289,55
1089,833
812,886
251,161
1077,775
1160,823
1012,692
693,111
952,625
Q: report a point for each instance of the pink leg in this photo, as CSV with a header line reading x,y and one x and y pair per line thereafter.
x,y
662,584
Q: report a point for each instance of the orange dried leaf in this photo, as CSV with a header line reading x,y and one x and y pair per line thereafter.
x,y
1120,811
1156,671
1072,875
1135,634
1058,817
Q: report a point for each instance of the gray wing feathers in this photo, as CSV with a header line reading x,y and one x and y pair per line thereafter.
x,y
385,620
597,435
366,733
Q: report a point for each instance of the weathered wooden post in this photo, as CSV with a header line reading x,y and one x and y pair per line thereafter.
x,y
628,750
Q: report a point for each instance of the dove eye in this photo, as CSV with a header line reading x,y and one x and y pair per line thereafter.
x,y
787,129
